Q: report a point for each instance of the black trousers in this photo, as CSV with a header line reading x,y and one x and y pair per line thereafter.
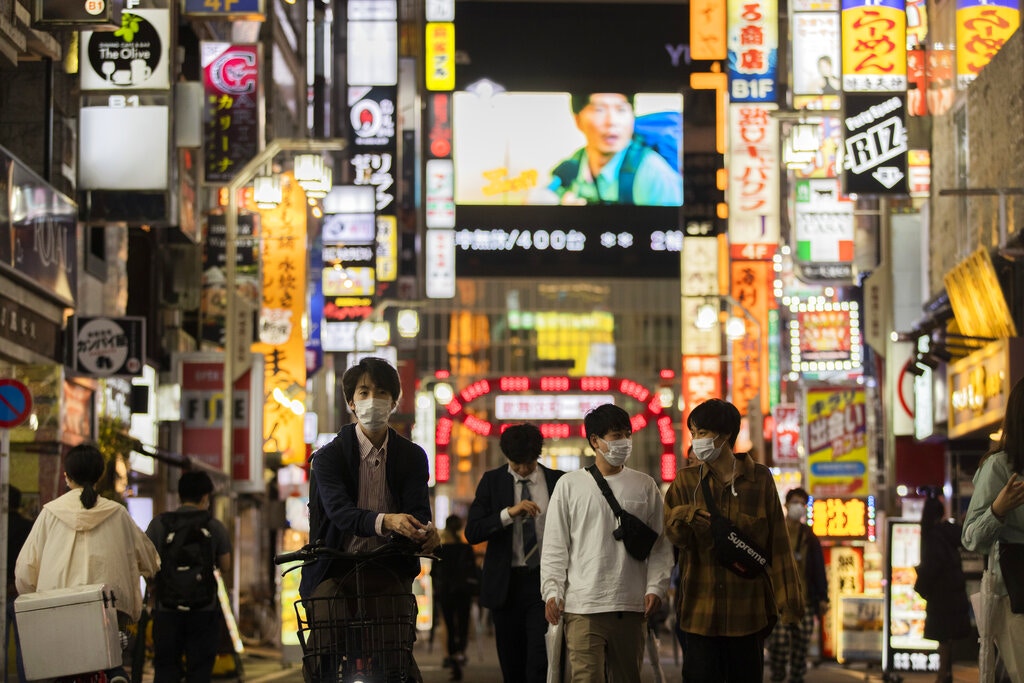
x,y
734,659
519,630
194,634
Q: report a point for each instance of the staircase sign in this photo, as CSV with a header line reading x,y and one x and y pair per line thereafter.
x,y
15,403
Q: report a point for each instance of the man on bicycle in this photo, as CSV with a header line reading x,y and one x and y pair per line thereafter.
x,y
368,485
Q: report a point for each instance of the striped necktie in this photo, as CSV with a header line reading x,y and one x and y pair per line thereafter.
x,y
530,554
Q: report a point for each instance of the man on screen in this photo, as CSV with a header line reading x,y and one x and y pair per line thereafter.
x,y
616,166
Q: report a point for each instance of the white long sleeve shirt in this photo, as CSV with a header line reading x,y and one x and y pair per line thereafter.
x,y
583,564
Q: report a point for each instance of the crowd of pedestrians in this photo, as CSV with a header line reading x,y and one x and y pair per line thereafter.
x,y
575,565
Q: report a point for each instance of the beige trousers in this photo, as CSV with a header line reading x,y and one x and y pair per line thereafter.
x,y
612,638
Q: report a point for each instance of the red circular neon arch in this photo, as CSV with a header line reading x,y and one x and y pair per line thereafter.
x,y
652,412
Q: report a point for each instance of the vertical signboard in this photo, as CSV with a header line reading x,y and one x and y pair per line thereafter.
x,y
816,60
824,222
753,41
750,287
699,287
708,30
280,324
440,264
835,440
906,648
874,46
982,27
440,56
753,178
232,117
875,144
372,116
786,436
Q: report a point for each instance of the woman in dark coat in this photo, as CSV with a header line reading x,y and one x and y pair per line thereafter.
x,y
940,581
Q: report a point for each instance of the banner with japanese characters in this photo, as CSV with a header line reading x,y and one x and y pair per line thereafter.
x,y
280,323
750,287
233,111
753,165
874,45
835,441
982,27
753,41
875,144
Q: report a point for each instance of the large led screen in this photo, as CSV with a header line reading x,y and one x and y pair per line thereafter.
x,y
556,148
567,148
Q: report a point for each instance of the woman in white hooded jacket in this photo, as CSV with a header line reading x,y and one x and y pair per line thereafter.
x,y
81,538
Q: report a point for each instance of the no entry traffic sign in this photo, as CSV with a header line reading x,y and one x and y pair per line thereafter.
x,y
15,403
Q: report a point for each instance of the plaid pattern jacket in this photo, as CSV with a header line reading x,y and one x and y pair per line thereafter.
x,y
712,600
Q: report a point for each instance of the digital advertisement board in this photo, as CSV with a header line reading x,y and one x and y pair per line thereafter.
x,y
568,154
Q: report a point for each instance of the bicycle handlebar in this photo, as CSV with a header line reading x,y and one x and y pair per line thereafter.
x,y
314,551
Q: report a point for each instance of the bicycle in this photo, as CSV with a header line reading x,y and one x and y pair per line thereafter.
x,y
358,635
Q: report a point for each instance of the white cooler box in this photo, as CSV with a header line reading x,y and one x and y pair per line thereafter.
x,y
68,631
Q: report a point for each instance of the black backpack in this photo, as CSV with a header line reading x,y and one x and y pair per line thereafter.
x,y
187,560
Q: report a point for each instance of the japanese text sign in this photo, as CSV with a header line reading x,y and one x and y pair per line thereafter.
x,y
836,441
874,45
753,175
231,115
982,27
753,41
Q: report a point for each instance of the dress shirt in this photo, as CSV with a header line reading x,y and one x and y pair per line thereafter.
x,y
539,493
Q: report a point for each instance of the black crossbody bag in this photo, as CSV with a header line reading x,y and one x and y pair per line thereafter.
x,y
733,549
636,536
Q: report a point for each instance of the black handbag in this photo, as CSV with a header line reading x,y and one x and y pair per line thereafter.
x,y
1011,563
733,549
636,536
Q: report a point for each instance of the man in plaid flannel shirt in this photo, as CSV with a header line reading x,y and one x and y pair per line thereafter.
x,y
723,618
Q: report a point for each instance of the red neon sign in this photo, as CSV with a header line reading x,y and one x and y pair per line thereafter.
x,y
652,411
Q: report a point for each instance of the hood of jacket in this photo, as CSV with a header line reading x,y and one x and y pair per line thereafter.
x,y
69,510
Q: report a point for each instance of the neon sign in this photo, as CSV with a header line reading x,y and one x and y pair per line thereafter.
x,y
652,411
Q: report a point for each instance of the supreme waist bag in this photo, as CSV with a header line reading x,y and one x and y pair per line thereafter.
x,y
733,549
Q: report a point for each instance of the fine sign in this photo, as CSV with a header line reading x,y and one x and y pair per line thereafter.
x,y
15,403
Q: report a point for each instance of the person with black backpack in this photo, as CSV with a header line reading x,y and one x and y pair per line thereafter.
x,y
619,164
187,620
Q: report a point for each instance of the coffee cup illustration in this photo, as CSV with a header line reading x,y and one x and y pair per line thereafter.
x,y
122,77
140,70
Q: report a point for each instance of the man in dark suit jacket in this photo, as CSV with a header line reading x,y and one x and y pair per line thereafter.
x,y
510,586
365,486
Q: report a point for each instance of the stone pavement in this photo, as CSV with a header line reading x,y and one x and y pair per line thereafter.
x,y
262,665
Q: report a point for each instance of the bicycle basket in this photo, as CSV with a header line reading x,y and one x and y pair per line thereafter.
x,y
365,638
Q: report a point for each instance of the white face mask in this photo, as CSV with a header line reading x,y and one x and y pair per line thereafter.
x,y
796,511
705,450
618,452
373,413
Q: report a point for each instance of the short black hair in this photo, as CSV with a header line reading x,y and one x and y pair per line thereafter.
x,y
793,493
193,485
718,416
605,418
582,99
521,443
382,373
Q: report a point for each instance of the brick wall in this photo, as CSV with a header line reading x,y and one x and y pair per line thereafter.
x,y
995,120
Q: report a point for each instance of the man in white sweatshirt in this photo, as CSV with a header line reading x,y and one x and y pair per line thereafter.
x,y
587,577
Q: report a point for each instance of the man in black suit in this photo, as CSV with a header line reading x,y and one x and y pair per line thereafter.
x,y
367,485
508,513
